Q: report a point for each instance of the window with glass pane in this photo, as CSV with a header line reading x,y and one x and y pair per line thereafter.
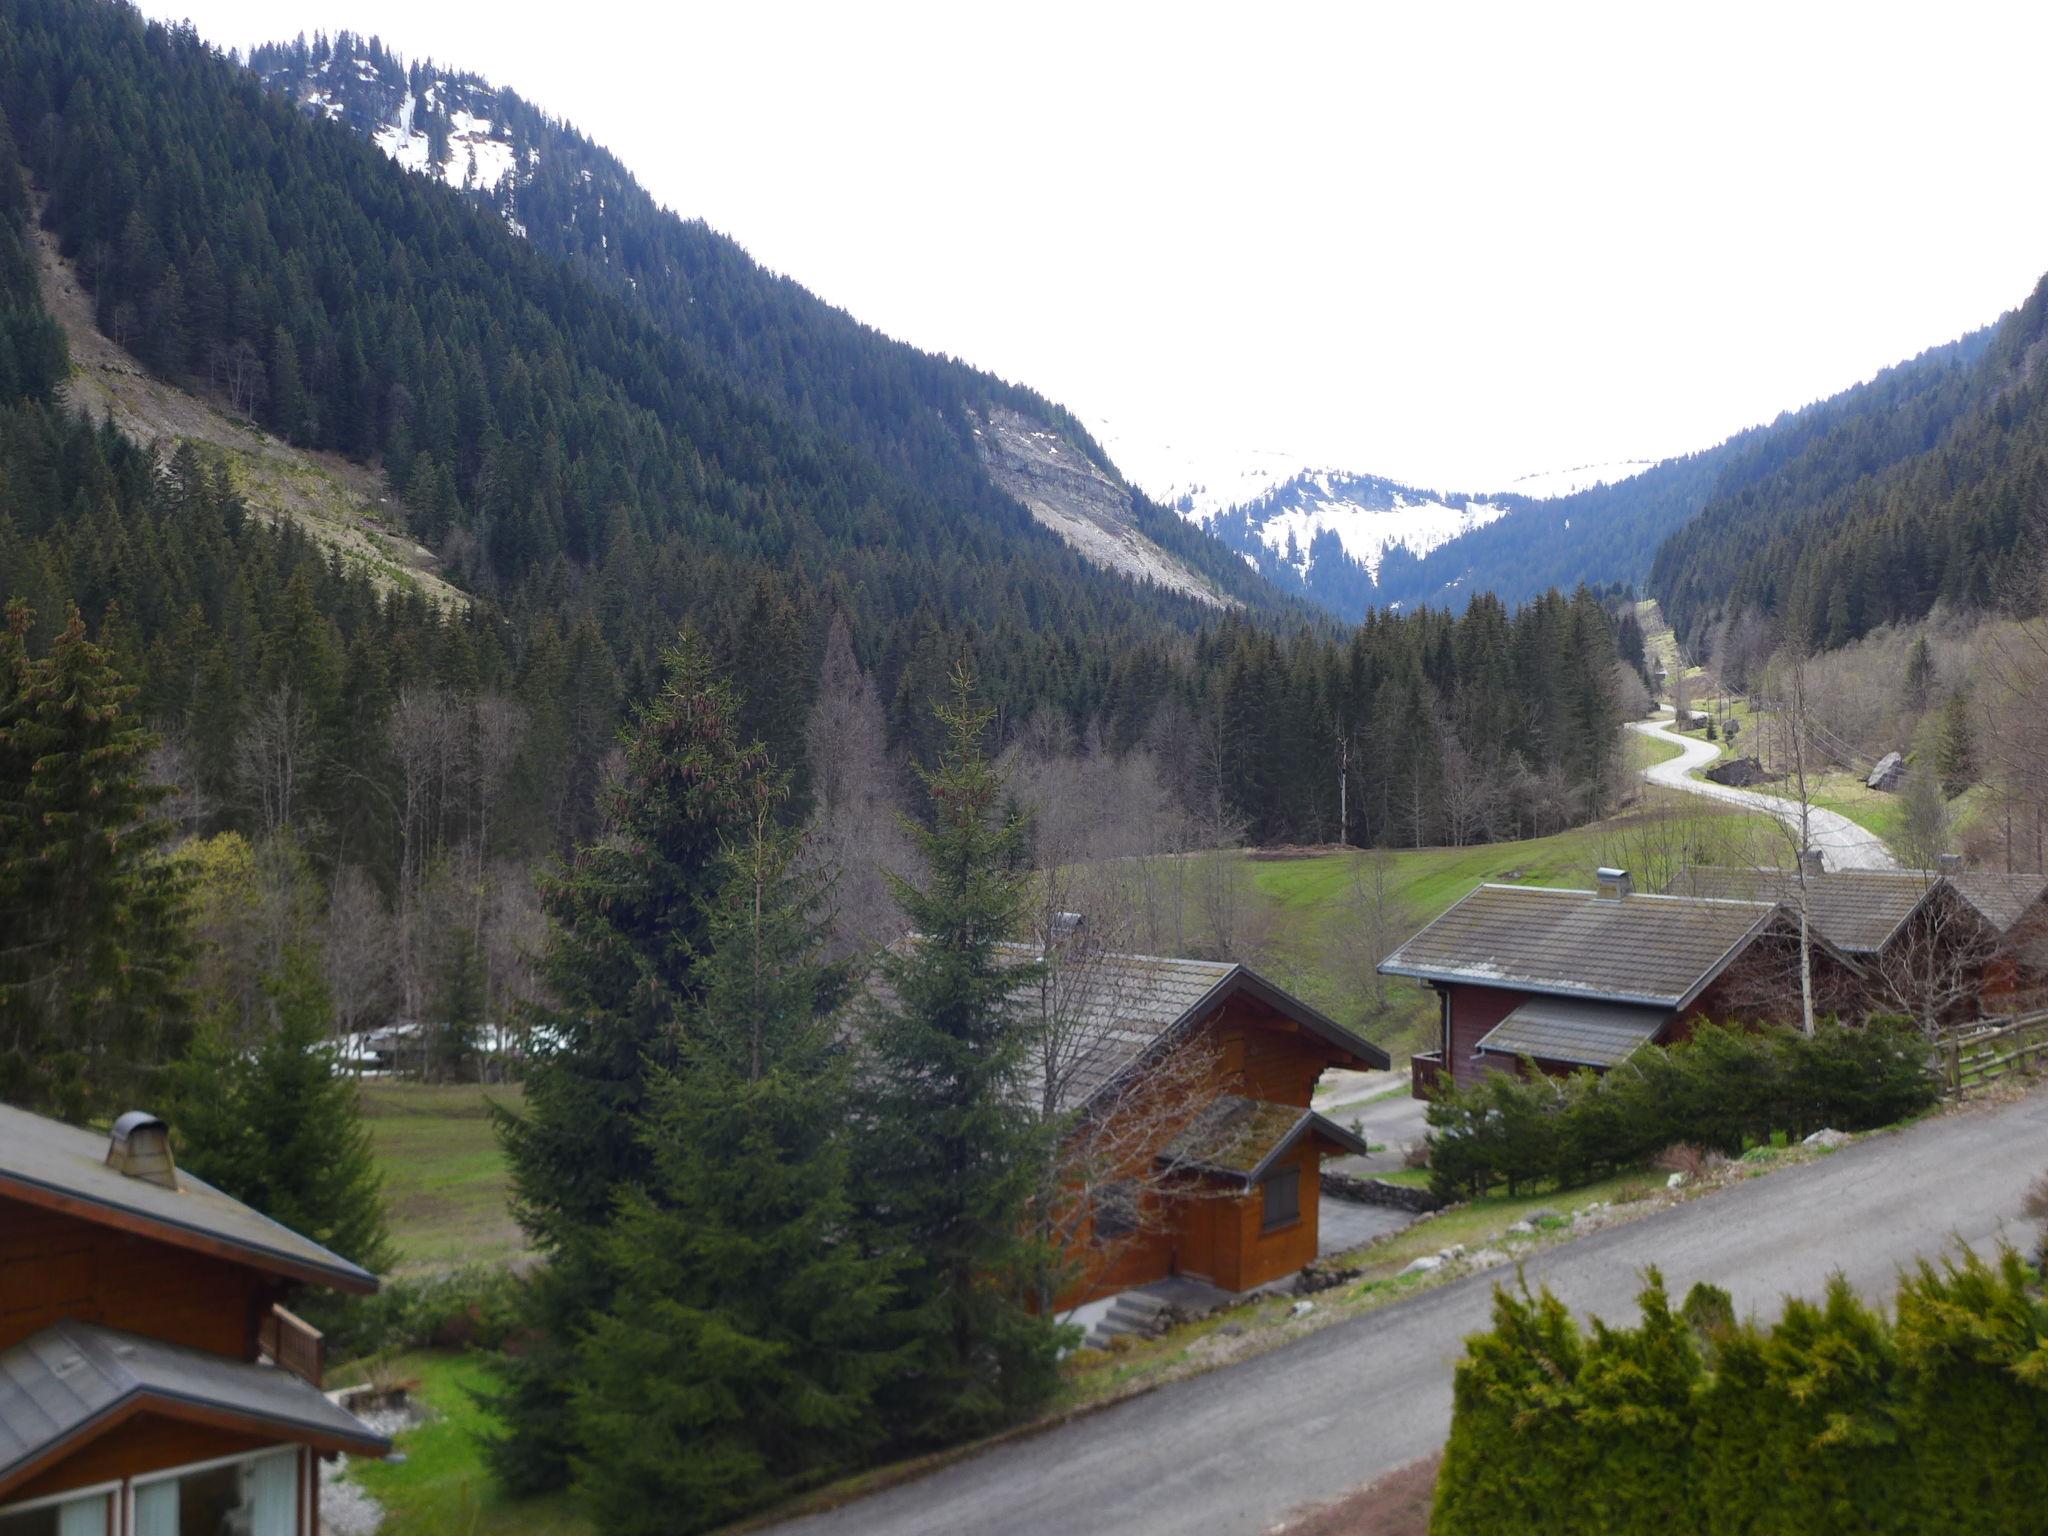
x,y
1282,1198
88,1516
244,1498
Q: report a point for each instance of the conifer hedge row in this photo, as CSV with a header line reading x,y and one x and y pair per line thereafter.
x,y
1726,1088
1834,1419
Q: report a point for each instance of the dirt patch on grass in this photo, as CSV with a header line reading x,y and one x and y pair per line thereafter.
x,y
1396,1505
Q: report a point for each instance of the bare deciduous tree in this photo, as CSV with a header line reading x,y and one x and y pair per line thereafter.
x,y
1932,971
357,948
1379,922
275,757
187,805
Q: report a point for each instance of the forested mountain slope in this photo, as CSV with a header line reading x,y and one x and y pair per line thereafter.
x,y
1600,535
1919,487
917,415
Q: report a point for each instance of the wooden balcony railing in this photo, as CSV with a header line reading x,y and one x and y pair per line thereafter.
x,y
292,1344
1424,1068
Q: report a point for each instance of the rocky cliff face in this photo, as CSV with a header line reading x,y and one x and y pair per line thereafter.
x,y
1067,492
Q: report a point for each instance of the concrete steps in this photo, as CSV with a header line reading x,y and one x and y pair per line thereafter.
x,y
1133,1313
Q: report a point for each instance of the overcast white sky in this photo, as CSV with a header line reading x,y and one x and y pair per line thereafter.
x,y
1450,244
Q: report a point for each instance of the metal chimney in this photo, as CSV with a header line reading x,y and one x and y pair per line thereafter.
x,y
1813,861
1615,884
141,1148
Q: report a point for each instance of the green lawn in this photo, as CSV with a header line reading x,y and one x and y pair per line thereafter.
x,y
445,1180
442,1487
1642,751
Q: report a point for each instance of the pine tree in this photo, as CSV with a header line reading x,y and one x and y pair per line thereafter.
x,y
627,923
745,1342
1919,676
1955,756
953,1152
279,1128
458,1003
93,935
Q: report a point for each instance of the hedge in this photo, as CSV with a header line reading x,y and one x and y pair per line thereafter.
x,y
1834,1420
1726,1089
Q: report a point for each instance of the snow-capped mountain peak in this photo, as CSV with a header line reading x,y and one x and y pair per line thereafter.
x,y
1323,514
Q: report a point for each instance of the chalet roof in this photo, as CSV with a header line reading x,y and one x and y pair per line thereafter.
x,y
47,1163
59,1385
1122,1007
1581,1031
1857,910
1657,951
2002,900
1241,1138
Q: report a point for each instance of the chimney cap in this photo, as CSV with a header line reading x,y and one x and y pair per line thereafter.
x,y
140,1148
134,1121
1615,884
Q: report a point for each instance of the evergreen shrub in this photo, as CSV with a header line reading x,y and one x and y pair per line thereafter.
x,y
1835,1418
1726,1089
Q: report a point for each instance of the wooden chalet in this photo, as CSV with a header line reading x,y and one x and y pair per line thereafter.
x,y
152,1382
1978,938
1578,979
1225,1182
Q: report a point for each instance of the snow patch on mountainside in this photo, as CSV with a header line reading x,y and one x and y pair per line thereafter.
x,y
1368,516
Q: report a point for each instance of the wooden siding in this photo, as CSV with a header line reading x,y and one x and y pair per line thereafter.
x,y
1265,1056
1474,1011
144,1444
1213,1231
1249,1256
55,1266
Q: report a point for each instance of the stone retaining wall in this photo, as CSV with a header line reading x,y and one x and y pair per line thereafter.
x,y
1344,1186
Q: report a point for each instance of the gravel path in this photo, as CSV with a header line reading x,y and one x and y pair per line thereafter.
x,y
1843,844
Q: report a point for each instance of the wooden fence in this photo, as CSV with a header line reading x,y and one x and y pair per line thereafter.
x,y
1983,1052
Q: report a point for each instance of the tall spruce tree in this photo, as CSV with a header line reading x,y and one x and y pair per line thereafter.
x,y
1955,750
277,1127
746,1337
952,1151
1919,687
93,939
628,921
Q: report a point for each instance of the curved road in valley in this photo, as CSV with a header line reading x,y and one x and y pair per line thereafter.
x,y
1842,843
1232,1452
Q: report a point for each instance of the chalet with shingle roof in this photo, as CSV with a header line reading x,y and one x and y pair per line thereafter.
x,y
150,1376
1974,935
1576,979
1222,1183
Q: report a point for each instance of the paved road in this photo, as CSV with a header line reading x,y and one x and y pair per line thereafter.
x,y
1844,844
1236,1450
1379,1107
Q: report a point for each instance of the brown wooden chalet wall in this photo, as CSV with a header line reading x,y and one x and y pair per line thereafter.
x,y
1475,1010
1260,1053
1247,1255
1264,1055
2017,977
54,1266
146,1443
